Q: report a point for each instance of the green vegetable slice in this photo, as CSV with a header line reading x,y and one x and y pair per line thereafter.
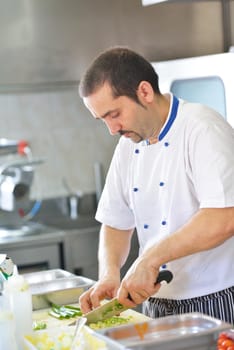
x,y
64,311
38,325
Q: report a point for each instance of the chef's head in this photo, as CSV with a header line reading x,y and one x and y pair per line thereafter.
x,y
121,89
123,69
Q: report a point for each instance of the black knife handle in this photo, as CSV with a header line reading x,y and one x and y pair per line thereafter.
x,y
164,275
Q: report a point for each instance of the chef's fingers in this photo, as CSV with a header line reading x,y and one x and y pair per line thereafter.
x,y
95,298
85,302
137,297
102,290
125,298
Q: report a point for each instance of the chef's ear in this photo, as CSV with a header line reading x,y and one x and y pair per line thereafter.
x,y
145,92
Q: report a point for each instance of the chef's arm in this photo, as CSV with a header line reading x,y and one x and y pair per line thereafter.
x,y
114,246
207,229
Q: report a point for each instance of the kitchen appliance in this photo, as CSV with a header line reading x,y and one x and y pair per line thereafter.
x,y
16,176
205,79
15,181
113,307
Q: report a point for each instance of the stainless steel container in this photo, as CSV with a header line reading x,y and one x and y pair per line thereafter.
x,y
56,286
193,331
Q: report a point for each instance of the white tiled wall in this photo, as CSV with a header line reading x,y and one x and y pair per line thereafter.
x,y
61,130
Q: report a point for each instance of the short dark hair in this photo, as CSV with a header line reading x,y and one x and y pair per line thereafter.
x,y
123,69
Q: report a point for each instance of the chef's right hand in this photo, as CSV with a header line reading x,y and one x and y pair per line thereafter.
x,y
103,289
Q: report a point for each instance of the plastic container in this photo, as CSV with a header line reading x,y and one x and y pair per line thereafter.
x,y
7,327
17,291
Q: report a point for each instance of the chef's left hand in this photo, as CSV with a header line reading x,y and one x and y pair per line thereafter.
x,y
138,283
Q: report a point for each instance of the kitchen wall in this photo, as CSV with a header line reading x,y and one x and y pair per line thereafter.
x,y
46,43
59,129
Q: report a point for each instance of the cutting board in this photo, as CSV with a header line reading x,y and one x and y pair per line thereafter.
x,y
42,315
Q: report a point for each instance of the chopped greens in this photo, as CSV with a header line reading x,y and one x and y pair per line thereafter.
x,y
38,325
64,311
68,311
116,307
110,322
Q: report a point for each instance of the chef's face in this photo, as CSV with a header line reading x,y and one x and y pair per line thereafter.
x,y
121,114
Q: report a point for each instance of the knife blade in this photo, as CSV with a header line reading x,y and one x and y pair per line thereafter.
x,y
113,307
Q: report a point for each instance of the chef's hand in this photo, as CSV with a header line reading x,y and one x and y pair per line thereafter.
x,y
138,283
103,289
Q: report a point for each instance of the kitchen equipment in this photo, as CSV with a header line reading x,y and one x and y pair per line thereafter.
x,y
80,322
113,307
193,79
15,181
189,331
47,276
56,286
13,146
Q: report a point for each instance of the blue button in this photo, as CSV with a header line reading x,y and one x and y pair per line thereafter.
x,y
164,266
146,226
166,144
137,151
161,183
135,189
164,222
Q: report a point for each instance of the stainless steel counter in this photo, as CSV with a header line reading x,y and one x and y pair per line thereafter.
x,y
67,244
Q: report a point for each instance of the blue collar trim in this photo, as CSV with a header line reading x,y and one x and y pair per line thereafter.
x,y
174,109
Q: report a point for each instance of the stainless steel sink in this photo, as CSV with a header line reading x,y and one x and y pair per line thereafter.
x,y
28,228
65,223
52,224
55,213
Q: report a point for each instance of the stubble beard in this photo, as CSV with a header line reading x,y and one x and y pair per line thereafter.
x,y
138,138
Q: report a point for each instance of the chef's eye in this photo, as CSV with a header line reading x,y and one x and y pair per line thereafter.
x,y
114,115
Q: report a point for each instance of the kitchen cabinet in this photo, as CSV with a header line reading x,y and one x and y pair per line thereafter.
x,y
35,252
36,258
72,249
80,251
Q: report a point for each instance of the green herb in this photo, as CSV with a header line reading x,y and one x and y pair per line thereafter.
x,y
38,325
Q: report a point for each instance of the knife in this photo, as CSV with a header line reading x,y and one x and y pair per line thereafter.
x,y
113,307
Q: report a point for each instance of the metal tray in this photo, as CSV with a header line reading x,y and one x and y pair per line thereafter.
x,y
56,286
188,331
47,275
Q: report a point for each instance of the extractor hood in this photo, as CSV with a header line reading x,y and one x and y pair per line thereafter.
x,y
44,42
47,42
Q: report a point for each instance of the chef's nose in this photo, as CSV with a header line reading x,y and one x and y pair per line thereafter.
x,y
113,127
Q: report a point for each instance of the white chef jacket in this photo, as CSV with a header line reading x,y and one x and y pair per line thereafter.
x,y
157,188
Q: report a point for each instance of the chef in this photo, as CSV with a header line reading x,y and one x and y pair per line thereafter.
x,y
171,179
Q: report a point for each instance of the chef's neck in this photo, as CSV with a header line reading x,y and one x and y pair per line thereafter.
x,y
162,103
